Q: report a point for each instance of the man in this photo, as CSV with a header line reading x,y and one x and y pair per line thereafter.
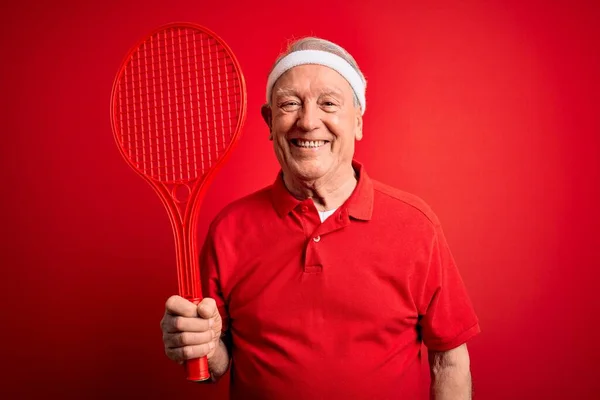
x,y
325,284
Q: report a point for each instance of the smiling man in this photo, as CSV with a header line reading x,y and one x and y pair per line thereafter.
x,y
325,284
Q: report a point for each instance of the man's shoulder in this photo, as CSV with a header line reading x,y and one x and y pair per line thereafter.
x,y
404,203
253,205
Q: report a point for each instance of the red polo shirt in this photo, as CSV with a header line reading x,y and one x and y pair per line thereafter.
x,y
333,310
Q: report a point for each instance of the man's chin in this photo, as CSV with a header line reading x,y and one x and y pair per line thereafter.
x,y
308,173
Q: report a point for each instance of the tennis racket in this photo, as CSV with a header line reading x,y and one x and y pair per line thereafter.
x,y
177,109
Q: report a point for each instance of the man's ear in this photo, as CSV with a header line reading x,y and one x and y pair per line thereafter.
x,y
359,126
266,113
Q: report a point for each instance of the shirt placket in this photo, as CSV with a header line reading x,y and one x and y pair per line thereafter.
x,y
316,234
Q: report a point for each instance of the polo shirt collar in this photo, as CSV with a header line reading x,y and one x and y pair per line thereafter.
x,y
359,205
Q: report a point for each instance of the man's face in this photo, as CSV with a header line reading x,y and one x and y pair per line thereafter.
x,y
313,122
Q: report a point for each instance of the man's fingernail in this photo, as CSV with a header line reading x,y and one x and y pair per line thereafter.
x,y
211,345
211,322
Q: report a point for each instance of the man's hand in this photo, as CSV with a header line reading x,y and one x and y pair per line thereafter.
x,y
189,330
450,374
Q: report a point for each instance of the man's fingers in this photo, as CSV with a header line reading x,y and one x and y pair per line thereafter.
x,y
189,352
174,324
177,305
182,339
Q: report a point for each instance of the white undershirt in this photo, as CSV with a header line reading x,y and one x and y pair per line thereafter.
x,y
325,214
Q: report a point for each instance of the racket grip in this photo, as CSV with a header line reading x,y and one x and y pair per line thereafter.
x,y
196,369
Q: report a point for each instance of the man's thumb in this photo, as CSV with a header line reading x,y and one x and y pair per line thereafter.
x,y
207,308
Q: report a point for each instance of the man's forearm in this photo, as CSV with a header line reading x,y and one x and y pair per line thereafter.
x,y
450,374
219,362
451,383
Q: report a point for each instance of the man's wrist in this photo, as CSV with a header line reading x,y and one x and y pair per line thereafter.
x,y
218,363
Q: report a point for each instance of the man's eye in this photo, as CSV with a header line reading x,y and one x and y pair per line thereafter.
x,y
290,105
328,103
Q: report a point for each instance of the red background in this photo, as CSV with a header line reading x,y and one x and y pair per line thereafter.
x,y
487,110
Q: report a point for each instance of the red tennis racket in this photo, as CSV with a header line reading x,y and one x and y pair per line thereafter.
x,y
177,109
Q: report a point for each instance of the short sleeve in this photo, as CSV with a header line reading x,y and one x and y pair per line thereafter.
x,y
210,276
447,317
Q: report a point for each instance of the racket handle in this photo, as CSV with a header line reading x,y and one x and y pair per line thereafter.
x,y
196,369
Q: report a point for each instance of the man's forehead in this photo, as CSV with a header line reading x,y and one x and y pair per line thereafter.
x,y
318,78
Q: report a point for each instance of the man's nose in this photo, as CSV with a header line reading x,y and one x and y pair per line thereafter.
x,y
308,117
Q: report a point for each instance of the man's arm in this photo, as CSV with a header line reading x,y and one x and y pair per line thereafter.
x,y
450,374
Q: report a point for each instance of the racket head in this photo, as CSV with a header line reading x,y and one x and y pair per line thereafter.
x,y
178,104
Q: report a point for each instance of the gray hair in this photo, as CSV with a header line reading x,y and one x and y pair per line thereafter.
x,y
315,43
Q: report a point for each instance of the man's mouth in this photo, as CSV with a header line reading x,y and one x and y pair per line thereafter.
x,y
308,144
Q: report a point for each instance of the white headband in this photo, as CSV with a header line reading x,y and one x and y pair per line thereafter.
x,y
319,57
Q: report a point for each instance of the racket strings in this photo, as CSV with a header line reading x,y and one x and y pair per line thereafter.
x,y
179,103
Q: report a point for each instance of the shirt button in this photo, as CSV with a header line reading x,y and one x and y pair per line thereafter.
x,y
317,239
304,209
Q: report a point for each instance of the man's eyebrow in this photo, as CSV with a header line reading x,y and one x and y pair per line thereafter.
x,y
332,90
285,92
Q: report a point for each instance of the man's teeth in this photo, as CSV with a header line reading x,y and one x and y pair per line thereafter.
x,y
310,143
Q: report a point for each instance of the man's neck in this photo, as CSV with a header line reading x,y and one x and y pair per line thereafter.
x,y
327,193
